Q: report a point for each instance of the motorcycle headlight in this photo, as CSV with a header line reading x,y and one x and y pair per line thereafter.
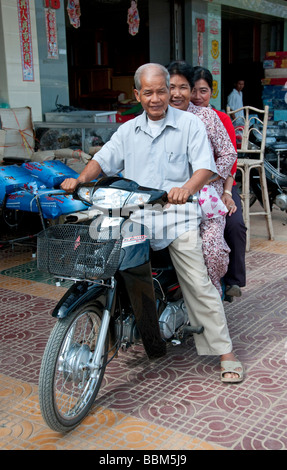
x,y
138,199
85,193
109,198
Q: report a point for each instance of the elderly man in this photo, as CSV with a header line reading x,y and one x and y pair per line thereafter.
x,y
168,149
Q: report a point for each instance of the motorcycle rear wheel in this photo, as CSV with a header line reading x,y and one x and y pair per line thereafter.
x,y
66,389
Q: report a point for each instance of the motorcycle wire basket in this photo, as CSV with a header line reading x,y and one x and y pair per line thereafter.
x,y
71,251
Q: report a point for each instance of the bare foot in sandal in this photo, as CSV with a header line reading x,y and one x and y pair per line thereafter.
x,y
231,368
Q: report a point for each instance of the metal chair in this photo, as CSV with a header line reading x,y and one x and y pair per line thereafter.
x,y
243,128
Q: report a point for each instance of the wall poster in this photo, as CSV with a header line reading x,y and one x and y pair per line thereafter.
x,y
214,52
51,33
25,40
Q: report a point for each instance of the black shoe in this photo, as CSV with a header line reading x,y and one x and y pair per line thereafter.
x,y
160,352
233,291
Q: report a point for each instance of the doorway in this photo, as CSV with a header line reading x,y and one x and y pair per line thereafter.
x,y
246,37
103,55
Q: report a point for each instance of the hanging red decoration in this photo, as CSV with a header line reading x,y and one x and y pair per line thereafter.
x,y
55,4
51,33
74,12
133,18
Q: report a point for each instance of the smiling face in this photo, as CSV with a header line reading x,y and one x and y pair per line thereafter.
x,y
180,92
201,93
154,93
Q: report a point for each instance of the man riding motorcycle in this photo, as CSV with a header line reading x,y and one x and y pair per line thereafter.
x,y
168,149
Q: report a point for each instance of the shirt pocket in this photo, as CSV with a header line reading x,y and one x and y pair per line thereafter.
x,y
177,168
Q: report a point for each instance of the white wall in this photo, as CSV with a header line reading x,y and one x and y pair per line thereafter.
x,y
13,89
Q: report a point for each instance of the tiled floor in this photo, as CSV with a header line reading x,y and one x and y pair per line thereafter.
x,y
175,403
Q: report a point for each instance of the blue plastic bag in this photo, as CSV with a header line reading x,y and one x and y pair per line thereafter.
x,y
51,173
13,178
52,203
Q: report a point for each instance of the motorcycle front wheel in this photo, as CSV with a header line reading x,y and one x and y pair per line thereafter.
x,y
67,388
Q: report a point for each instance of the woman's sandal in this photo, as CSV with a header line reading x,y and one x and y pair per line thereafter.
x,y
232,367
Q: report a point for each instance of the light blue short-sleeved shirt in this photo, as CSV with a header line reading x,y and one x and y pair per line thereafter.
x,y
162,162
235,101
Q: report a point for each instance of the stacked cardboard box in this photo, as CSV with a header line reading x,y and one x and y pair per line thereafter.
x,y
16,133
275,84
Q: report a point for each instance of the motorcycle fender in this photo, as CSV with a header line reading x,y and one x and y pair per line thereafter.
x,y
78,294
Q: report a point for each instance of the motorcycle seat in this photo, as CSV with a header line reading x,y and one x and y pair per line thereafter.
x,y
280,146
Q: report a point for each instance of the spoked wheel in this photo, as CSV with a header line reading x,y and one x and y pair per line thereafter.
x,y
68,385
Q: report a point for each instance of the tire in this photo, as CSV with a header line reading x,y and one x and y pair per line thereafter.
x,y
66,389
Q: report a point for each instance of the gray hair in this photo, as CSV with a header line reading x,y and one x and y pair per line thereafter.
x,y
142,69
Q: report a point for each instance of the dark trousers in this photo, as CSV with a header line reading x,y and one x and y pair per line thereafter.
x,y
235,236
139,285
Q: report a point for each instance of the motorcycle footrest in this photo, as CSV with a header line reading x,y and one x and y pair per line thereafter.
x,y
189,330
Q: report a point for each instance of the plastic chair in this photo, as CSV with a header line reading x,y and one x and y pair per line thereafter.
x,y
252,157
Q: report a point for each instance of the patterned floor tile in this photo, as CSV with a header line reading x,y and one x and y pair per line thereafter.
x,y
177,402
38,289
267,246
30,272
22,427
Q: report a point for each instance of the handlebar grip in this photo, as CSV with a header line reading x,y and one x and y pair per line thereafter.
x,y
192,198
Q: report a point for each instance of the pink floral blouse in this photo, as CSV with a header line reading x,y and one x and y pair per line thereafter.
x,y
222,147
215,248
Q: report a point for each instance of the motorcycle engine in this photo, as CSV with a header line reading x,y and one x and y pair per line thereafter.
x,y
173,317
281,201
127,331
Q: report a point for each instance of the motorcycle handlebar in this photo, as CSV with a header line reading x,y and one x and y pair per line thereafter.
x,y
192,198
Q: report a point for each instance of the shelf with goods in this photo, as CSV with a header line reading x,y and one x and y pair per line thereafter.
x,y
274,83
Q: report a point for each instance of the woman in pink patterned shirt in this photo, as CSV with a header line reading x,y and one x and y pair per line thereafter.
x,y
215,248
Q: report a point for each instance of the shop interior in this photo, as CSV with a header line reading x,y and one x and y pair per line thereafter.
x,y
103,55
246,37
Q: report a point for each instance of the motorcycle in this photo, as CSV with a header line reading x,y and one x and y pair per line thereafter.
x,y
275,164
97,316
276,176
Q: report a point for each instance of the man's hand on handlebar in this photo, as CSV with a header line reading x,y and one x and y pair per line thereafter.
x,y
69,185
178,195
89,173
